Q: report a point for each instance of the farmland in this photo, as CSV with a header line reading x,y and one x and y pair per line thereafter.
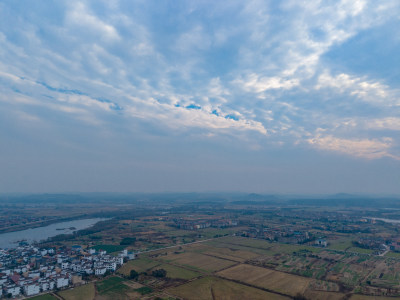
x,y
238,250
84,292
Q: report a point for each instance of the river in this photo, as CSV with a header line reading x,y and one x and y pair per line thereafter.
x,y
10,239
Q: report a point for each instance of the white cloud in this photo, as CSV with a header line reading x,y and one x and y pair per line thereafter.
x,y
80,16
364,148
367,90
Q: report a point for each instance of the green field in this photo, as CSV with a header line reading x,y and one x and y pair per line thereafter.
x,y
44,297
139,265
177,272
109,248
84,292
111,284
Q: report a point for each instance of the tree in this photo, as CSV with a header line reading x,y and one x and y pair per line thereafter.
x,y
159,273
133,274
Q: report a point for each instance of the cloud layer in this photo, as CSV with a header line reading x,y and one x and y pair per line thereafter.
x,y
264,73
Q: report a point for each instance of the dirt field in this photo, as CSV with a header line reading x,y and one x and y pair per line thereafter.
x,y
269,279
317,295
209,288
84,292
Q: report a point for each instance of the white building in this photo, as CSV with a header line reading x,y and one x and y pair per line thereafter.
x,y
111,266
31,289
64,265
62,282
13,290
100,271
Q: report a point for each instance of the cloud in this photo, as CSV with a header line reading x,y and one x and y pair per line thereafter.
x,y
259,71
364,148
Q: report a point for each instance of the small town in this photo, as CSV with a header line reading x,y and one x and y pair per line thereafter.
x,y
28,270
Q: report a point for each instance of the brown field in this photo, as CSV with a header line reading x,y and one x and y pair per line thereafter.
x,y
209,288
269,279
231,253
362,297
199,261
84,292
318,295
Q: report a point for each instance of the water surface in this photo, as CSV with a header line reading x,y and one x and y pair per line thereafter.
x,y
11,239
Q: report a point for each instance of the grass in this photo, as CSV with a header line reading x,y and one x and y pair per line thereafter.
x,y
340,245
109,248
208,288
199,261
360,250
111,284
144,290
139,265
177,272
44,297
393,254
84,292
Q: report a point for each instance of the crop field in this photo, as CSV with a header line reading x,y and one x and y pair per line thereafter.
x,y
209,288
139,265
84,292
44,297
231,253
266,278
319,295
177,272
113,288
199,261
363,297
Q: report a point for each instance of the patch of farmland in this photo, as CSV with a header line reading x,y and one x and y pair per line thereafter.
x,y
84,292
139,265
266,278
199,261
231,253
258,251
44,297
113,288
318,295
177,272
209,288
253,243
363,297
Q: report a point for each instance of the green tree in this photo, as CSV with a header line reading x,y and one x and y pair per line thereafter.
x,y
133,274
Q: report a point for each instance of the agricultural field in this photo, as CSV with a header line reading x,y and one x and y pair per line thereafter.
x,y
139,265
209,288
176,272
44,297
268,279
198,261
114,288
84,292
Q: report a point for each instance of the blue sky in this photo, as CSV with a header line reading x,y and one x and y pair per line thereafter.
x,y
255,96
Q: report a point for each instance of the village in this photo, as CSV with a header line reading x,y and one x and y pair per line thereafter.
x,y
28,270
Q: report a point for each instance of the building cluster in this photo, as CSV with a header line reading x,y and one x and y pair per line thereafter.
x,y
203,223
28,270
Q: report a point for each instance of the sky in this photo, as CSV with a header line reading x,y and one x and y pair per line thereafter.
x,y
197,96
